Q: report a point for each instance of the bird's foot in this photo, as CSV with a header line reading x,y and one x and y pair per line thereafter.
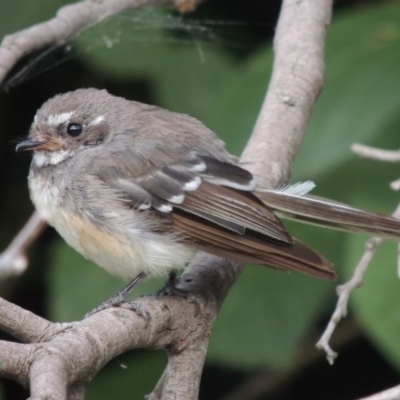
x,y
170,289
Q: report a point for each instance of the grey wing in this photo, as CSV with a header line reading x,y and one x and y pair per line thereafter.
x,y
214,191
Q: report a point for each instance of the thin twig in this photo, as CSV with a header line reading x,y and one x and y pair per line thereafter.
x,y
345,290
375,153
13,260
371,246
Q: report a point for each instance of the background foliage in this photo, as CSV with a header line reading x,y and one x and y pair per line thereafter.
x,y
218,72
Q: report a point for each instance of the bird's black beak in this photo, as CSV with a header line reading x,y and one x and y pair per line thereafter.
x,y
28,144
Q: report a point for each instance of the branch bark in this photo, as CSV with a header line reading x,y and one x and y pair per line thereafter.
x,y
67,356
13,260
390,394
297,79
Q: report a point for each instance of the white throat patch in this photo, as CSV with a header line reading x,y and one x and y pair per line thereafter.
x,y
43,158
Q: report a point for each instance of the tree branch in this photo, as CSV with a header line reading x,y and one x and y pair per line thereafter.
x,y
13,260
297,79
377,154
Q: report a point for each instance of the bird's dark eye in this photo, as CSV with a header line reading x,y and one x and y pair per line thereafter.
x,y
74,129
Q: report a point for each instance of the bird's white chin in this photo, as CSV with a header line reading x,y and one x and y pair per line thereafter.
x,y
44,158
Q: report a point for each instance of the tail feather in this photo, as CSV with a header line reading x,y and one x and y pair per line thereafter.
x,y
327,213
249,248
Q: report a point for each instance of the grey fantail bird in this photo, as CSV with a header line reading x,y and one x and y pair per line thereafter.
x,y
138,190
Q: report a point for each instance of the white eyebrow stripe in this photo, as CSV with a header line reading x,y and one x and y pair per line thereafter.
x,y
57,119
97,120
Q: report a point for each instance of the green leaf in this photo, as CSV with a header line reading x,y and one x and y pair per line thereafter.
x,y
129,376
238,99
265,317
19,14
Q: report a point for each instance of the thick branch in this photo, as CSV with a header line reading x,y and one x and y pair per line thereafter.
x,y
21,324
297,79
77,351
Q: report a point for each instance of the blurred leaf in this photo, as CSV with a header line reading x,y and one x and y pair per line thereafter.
x,y
265,318
129,376
19,14
238,100
360,99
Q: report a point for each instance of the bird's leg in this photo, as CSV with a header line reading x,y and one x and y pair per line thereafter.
x,y
170,289
120,297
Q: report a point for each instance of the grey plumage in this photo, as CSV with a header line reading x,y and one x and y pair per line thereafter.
x,y
227,174
190,181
